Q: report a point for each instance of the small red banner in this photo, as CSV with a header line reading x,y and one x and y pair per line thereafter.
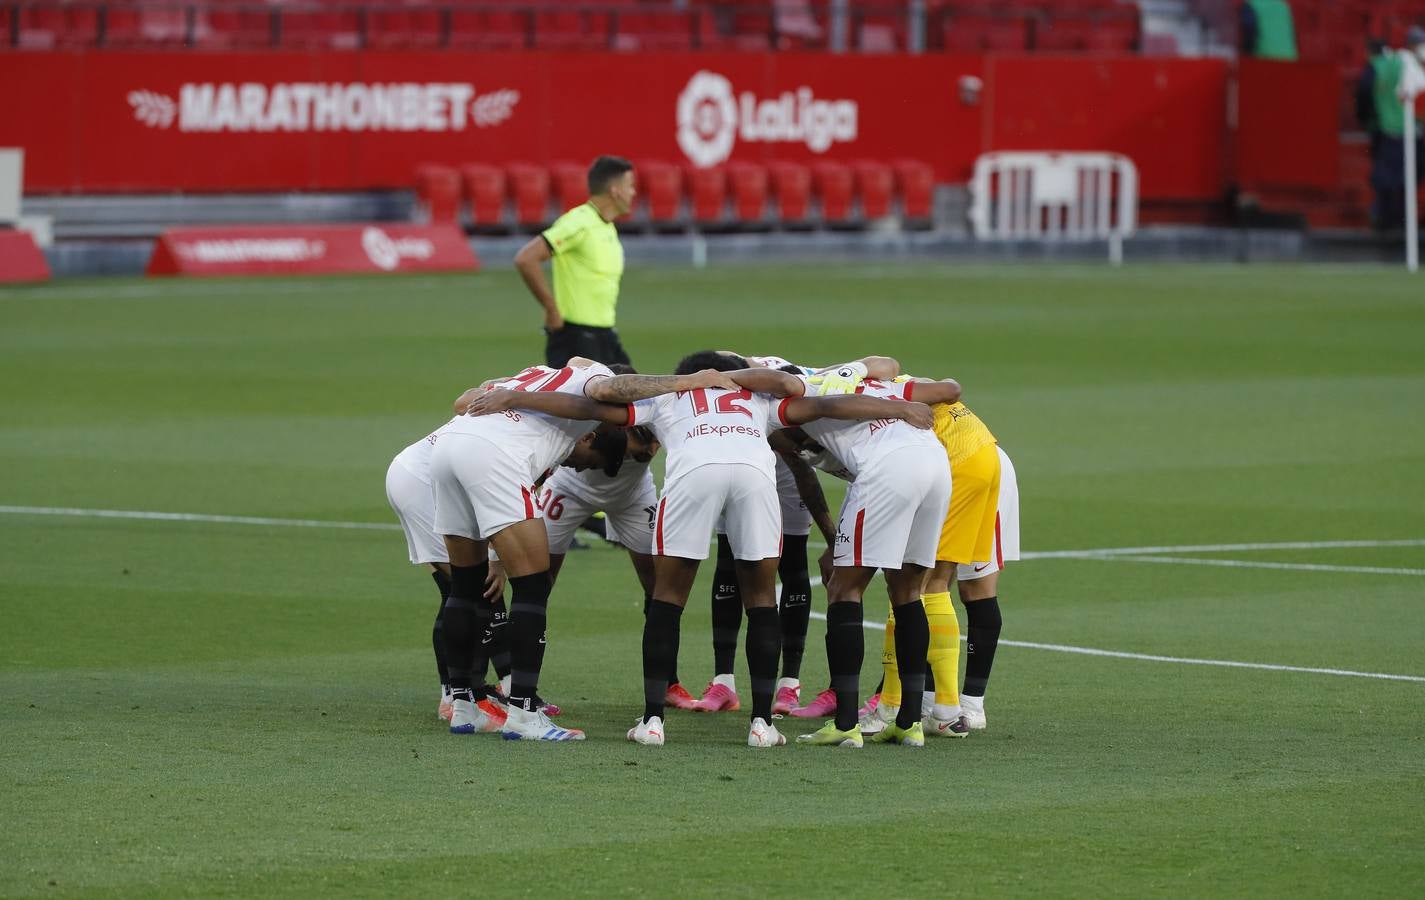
x,y
21,259
300,250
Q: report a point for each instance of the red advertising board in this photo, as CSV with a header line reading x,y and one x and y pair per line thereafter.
x,y
305,249
1283,111
141,121
20,258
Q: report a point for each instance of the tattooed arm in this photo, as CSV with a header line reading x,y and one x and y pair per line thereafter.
x,y
629,388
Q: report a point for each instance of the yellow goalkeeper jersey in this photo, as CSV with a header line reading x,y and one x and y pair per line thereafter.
x,y
960,430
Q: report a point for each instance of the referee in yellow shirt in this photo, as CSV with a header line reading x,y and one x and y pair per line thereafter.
x,y
588,263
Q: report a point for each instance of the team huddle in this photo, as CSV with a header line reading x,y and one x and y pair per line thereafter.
x,y
495,496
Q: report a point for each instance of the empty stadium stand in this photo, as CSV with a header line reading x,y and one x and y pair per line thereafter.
x,y
875,26
741,196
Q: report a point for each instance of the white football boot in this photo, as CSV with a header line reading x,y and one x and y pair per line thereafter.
x,y
875,721
466,717
764,734
648,733
524,725
973,709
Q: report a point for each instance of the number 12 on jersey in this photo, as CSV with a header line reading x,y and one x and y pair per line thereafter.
x,y
727,402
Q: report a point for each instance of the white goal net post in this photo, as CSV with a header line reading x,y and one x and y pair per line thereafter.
x,y
1080,197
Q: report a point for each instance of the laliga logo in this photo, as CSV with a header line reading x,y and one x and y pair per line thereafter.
x,y
386,252
711,118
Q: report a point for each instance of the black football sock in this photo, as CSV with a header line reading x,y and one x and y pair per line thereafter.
x,y
673,675
845,651
764,639
912,645
660,653
437,634
726,610
496,639
983,627
929,678
466,616
529,600
795,603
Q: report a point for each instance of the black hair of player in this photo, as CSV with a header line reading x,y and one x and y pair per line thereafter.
x,y
791,369
611,443
622,369
709,359
604,170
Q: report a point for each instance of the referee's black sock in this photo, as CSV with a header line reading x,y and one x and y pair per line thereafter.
x,y
673,675
845,651
795,603
529,601
466,616
437,634
661,629
726,609
912,645
982,632
764,640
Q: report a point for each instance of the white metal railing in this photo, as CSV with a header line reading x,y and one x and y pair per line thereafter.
x,y
1055,197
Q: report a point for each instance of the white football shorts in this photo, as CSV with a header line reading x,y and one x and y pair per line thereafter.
x,y
479,491
630,523
414,503
745,499
1006,545
796,518
894,510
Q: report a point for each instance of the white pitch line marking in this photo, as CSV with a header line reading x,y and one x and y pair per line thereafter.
x,y
1254,564
1112,553
1148,657
193,517
1224,548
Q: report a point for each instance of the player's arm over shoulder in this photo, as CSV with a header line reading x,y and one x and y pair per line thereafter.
x,y
925,390
554,403
853,407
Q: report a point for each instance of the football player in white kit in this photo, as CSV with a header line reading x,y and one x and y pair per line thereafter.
x,y
483,473
408,491
794,602
978,584
890,521
719,464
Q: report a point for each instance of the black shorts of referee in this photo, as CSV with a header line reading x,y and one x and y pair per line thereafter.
x,y
599,344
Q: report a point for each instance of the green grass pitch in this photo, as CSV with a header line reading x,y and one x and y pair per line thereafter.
x,y
201,708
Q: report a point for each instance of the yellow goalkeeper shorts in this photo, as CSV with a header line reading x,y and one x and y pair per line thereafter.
x,y
969,530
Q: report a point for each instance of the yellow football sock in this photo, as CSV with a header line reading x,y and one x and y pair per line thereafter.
x,y
891,690
944,654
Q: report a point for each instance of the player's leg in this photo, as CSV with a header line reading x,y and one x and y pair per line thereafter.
x,y
721,693
466,618
794,617
944,657
683,526
979,592
631,526
413,502
754,531
912,493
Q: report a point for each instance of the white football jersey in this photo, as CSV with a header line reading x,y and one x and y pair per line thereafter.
x,y
599,490
711,425
416,458
855,444
542,441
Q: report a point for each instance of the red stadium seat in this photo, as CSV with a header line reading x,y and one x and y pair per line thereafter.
x,y
402,29
791,186
333,30
571,29
749,192
438,193
979,33
484,188
530,187
661,184
707,189
489,29
873,182
654,31
832,182
915,182
571,184
237,28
